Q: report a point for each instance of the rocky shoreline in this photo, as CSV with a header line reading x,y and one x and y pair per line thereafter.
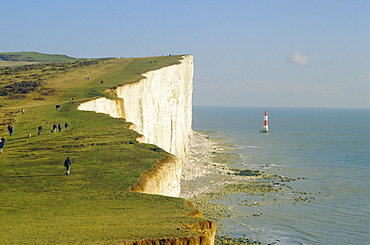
x,y
208,179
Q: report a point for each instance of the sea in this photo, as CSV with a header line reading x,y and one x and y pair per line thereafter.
x,y
324,152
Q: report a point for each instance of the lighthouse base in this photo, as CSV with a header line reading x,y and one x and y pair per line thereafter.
x,y
264,131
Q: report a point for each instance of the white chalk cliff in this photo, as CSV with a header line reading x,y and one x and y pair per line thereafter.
x,y
160,107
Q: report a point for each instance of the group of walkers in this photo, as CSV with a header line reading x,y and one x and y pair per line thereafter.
x,y
55,127
67,162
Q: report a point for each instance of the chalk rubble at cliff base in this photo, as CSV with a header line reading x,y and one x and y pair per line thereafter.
x,y
201,173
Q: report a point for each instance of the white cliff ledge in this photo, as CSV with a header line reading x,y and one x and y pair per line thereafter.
x,y
160,107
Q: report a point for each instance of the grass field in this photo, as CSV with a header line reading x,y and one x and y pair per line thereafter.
x,y
4,64
35,56
39,204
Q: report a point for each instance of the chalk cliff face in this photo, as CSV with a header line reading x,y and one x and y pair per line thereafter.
x,y
113,108
162,179
160,107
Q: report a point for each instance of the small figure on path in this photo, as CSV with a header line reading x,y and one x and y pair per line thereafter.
x,y
57,107
67,164
59,127
54,128
2,143
11,130
40,128
66,125
22,111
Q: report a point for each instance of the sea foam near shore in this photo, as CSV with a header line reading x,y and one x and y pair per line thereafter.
x,y
203,173
204,178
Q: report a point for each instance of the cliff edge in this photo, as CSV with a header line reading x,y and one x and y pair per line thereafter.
x,y
39,202
160,108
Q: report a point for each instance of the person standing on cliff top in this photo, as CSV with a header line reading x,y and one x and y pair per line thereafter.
x,y
67,164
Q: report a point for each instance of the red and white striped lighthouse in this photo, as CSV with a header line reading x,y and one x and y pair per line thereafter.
x,y
265,128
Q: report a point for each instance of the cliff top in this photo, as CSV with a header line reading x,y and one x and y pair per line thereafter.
x,y
38,202
34,57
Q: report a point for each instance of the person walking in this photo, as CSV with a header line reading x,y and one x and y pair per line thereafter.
x,y
2,143
67,164
59,127
40,128
11,130
66,125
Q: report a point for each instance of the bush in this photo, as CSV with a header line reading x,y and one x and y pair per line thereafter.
x,y
23,87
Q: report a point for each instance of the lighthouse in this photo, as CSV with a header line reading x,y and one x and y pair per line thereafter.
x,y
265,128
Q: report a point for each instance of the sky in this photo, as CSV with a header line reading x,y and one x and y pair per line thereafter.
x,y
286,53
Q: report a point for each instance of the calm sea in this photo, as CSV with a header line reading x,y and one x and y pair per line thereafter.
x,y
326,150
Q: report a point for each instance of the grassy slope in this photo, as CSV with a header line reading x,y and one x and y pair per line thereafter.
x,y
4,64
39,204
42,57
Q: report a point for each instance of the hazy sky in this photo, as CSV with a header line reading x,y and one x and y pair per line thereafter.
x,y
309,53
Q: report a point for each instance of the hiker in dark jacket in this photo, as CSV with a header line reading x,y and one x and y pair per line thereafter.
x,y
11,130
67,164
2,143
54,128
40,130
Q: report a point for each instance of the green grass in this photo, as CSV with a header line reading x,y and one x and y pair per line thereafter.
x,y
35,56
39,204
